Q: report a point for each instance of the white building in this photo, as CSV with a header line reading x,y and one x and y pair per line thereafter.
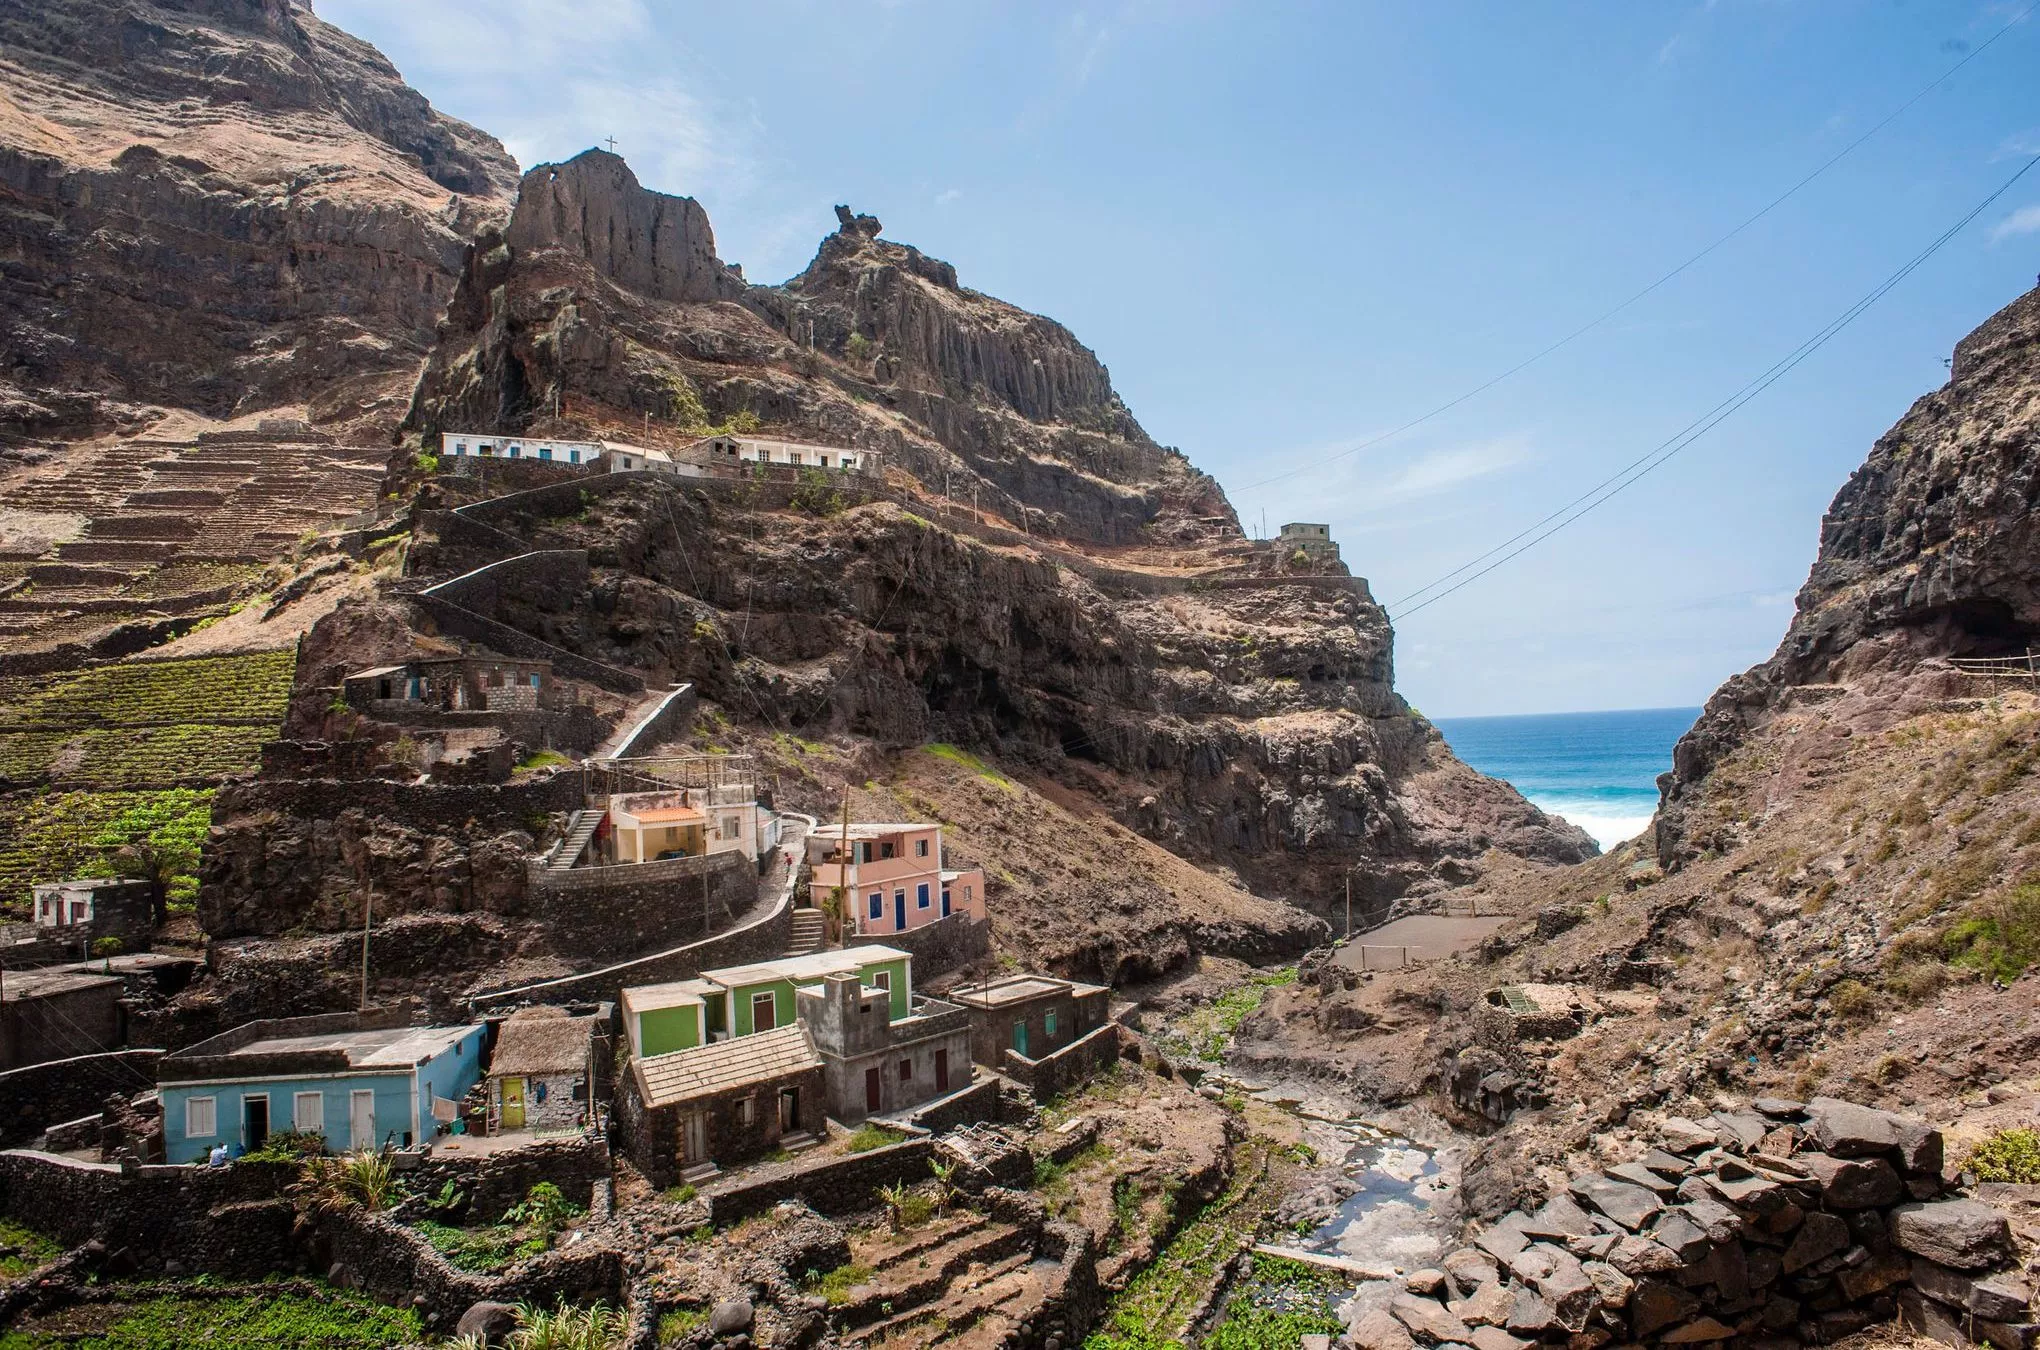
x,y
685,822
734,449
485,445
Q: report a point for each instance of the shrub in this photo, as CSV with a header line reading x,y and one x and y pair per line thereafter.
x,y
1852,1001
288,1146
426,462
567,1328
484,1251
2009,1155
106,946
545,1208
360,1180
679,1195
857,348
2003,938
679,1324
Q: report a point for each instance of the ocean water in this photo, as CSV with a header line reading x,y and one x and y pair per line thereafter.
x,y
1597,769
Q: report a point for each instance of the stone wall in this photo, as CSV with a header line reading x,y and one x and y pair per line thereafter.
x,y
1056,1073
41,1095
456,620
938,948
662,724
551,578
491,1183
762,939
833,1186
1787,1225
230,1221
607,912
392,1263
979,1101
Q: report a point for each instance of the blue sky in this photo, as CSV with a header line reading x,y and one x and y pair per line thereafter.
x,y
1289,228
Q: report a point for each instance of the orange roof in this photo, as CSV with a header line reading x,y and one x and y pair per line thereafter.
x,y
668,815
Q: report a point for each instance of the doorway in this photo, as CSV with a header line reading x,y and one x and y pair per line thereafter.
x,y
513,1103
693,1138
942,1071
361,1118
254,1121
899,906
789,1110
874,1086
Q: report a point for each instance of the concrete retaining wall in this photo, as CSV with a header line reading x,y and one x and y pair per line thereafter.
x,y
1066,1068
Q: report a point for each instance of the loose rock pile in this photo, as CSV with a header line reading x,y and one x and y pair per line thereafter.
x,y
1792,1225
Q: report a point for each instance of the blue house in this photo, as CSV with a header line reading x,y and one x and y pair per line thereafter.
x,y
360,1079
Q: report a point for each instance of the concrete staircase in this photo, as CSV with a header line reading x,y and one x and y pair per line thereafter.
x,y
580,829
807,934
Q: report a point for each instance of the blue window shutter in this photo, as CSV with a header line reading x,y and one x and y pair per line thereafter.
x,y
921,896
877,904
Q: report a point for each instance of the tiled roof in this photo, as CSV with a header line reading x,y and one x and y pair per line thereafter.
x,y
685,1075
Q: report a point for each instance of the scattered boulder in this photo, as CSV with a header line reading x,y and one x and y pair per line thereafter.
x,y
1630,1206
1854,1183
1958,1233
487,1322
1376,1329
731,1316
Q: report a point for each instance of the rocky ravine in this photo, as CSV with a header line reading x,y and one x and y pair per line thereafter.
x,y
221,206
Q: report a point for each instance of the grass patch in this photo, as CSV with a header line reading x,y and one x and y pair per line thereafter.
x,y
333,1321
544,759
25,1249
834,1286
1278,1304
679,1324
481,1250
2002,938
958,755
2009,1155
869,1137
1853,1001
679,1195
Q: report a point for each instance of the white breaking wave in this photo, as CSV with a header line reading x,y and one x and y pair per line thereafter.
x,y
1608,831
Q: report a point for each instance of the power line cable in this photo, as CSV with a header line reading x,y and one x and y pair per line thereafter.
x,y
1636,469
1606,315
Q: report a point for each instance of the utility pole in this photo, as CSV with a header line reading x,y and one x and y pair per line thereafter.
x,y
1349,904
843,897
367,914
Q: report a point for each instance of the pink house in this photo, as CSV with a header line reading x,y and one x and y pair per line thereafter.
x,y
893,879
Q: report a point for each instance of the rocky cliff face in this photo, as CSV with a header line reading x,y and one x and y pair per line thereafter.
x,y
601,299
1926,552
218,205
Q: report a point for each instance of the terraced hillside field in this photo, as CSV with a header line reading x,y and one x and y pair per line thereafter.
x,y
124,754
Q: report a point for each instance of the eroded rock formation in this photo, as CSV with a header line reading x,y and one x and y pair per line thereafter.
x,y
220,205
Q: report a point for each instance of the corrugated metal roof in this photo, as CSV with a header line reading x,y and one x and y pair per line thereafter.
x,y
686,1075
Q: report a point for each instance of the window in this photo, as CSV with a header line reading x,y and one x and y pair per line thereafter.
x,y
966,893
793,457
1048,1024
921,896
201,1117
545,452
920,848
888,849
730,827
573,456
747,1112
822,460
534,679
906,1071
763,1008
882,979
878,904
308,1111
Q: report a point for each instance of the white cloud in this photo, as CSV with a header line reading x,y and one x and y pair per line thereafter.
x,y
2024,145
544,76
948,195
2025,220
1440,471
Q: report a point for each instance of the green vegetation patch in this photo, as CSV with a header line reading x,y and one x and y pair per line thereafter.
x,y
482,1250
58,836
958,755
291,1321
869,1137
1205,1032
22,1249
1277,1304
2002,936
2009,1155
251,687
835,1285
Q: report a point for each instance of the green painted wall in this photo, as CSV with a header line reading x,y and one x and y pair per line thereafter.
x,y
663,1030
782,1004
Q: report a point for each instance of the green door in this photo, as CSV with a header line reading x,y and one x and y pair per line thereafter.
x,y
1020,1037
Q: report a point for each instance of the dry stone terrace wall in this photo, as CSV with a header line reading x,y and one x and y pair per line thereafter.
x,y
837,1186
1792,1225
